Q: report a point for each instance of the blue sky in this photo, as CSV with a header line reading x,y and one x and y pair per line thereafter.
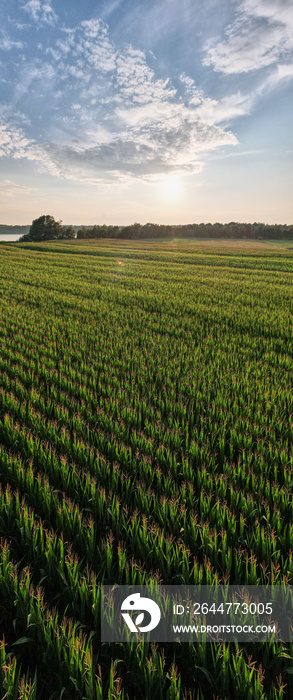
x,y
172,111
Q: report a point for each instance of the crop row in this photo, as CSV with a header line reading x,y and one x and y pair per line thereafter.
x,y
146,425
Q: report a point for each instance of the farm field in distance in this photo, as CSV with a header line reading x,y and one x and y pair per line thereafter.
x,y
146,425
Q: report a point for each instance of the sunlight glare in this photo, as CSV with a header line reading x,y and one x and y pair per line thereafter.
x,y
171,188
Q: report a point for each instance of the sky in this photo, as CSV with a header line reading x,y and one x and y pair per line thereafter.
x,y
167,111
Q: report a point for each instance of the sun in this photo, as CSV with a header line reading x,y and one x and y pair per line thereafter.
x,y
171,188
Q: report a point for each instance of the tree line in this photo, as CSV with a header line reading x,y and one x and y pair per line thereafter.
x,y
231,230
46,228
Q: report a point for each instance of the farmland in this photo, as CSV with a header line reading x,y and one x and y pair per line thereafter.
x,y
146,424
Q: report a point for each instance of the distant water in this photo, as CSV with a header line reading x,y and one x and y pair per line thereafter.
x,y
10,237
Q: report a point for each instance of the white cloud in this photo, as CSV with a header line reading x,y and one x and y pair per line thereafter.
x,y
7,44
281,73
14,144
8,188
136,81
216,111
84,50
276,10
259,36
285,71
132,122
226,109
12,141
95,46
144,148
40,11
112,116
139,154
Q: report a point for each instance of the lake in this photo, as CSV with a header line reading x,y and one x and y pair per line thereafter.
x,y
10,237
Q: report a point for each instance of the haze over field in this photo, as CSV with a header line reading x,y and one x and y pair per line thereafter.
x,y
170,110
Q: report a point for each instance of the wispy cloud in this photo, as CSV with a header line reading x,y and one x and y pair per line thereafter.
x,y
136,80
281,73
260,35
41,11
110,7
226,109
114,116
212,111
177,145
14,144
8,188
7,44
279,11
142,155
133,123
84,49
13,141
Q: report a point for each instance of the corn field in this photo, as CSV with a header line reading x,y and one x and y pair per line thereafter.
x,y
146,426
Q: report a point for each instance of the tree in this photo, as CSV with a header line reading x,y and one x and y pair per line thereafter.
x,y
67,232
83,232
45,228
131,231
